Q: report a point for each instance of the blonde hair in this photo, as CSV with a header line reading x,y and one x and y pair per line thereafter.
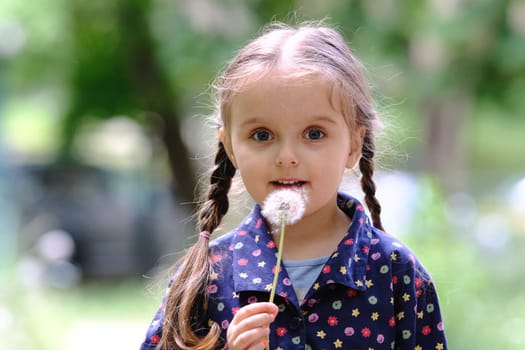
x,y
312,48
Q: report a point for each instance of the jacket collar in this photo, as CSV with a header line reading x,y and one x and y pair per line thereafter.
x,y
254,254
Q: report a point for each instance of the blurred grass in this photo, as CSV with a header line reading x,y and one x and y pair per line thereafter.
x,y
480,291
101,315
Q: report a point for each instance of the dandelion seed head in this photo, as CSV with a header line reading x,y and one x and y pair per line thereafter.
x,y
286,204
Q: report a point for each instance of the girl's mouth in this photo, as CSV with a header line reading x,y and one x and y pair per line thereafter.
x,y
288,183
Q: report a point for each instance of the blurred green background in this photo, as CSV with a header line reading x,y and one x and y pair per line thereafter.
x,y
103,136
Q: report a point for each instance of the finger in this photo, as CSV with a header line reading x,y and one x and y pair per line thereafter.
x,y
251,339
255,308
239,327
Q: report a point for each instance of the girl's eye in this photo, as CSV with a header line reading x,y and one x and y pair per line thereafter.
x,y
261,135
315,134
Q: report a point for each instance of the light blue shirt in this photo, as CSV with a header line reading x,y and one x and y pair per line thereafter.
x,y
303,273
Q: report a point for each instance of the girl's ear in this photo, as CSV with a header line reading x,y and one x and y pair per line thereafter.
x,y
226,142
356,146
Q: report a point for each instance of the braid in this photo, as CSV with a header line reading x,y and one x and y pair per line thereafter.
x,y
366,165
183,326
217,203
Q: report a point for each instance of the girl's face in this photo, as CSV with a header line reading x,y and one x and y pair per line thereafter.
x,y
290,133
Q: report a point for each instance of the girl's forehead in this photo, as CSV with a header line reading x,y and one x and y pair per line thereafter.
x,y
281,95
275,83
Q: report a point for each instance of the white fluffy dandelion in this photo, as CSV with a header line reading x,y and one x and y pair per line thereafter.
x,y
281,208
284,207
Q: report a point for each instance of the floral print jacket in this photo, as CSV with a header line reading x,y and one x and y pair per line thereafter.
x,y
372,293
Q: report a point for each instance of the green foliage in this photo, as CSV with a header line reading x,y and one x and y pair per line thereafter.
x,y
93,59
479,287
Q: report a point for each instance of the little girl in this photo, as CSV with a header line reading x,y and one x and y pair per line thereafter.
x,y
295,111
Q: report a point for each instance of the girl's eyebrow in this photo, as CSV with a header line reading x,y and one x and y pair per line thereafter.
x,y
251,120
325,118
310,119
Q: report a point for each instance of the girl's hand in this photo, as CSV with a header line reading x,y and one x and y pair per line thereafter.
x,y
250,326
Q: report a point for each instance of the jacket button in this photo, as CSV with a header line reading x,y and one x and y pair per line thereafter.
x,y
295,323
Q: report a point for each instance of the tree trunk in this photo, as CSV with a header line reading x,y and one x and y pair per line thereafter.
x,y
444,153
156,95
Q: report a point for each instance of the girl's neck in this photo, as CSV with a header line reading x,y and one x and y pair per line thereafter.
x,y
315,235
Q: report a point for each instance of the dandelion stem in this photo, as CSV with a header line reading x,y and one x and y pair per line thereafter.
x,y
279,258
277,264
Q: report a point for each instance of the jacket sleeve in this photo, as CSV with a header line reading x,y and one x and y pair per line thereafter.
x,y
418,317
155,328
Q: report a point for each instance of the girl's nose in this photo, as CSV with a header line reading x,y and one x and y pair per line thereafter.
x,y
286,157
286,162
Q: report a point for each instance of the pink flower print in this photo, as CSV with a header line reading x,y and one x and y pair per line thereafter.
x,y
374,241
418,283
394,279
258,223
359,207
380,338
426,330
242,262
313,318
270,244
256,252
225,324
212,288
365,249
235,309
242,233
252,299
349,331
326,269
376,256
216,258
333,321
311,302
366,332
287,282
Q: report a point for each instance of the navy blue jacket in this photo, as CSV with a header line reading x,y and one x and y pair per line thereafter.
x,y
372,293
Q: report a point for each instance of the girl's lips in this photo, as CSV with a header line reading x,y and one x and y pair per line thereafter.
x,y
288,183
